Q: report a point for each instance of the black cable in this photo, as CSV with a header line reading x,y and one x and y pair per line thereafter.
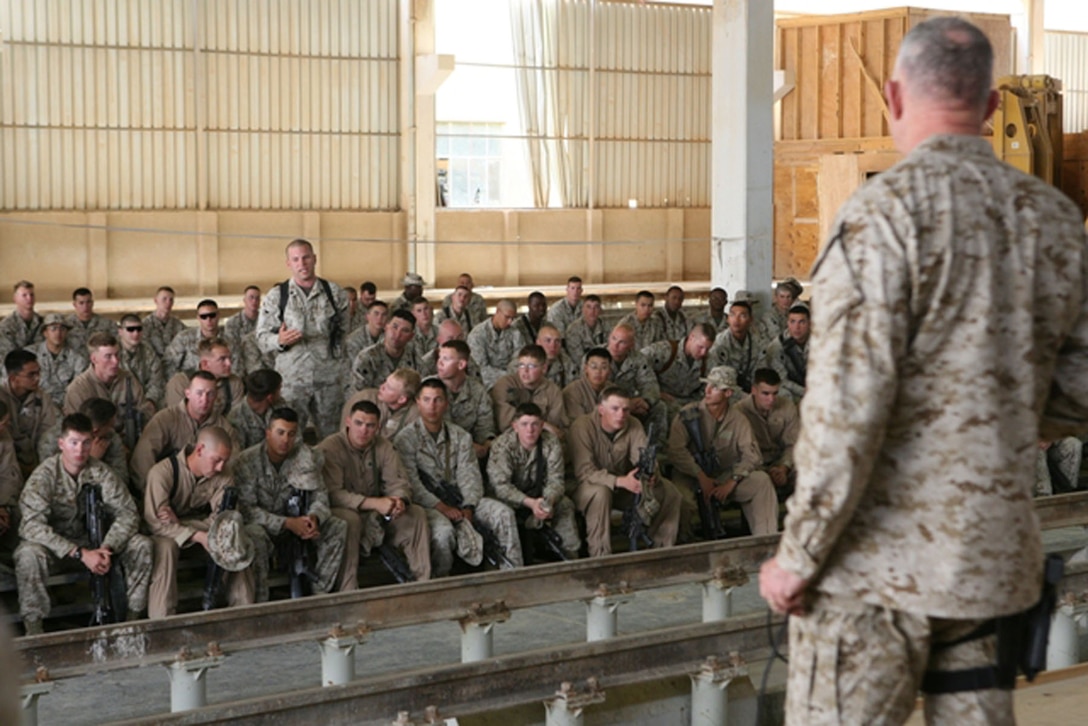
x,y
775,653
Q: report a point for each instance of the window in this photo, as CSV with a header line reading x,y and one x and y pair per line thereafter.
x,y
471,154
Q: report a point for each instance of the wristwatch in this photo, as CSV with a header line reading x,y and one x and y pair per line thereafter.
x,y
78,554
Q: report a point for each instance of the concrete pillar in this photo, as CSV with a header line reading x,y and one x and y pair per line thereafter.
x,y
1063,644
741,220
718,592
29,694
477,626
568,705
601,615
338,656
709,702
1030,39
188,681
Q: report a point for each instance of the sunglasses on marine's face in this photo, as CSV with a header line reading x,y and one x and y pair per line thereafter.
x,y
134,328
208,316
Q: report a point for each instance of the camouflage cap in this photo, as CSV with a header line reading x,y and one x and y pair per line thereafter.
x,y
743,297
412,279
721,377
800,306
229,545
470,545
55,319
791,284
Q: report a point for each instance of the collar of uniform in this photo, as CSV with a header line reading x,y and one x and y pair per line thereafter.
x,y
959,144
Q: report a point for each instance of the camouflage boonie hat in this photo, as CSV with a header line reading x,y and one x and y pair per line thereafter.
x,y
373,533
412,279
791,284
743,297
722,377
229,545
470,545
55,319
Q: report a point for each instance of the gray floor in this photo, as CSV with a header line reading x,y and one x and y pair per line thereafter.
x,y
101,698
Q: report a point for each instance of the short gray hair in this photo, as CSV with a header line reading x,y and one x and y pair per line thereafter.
x,y
948,58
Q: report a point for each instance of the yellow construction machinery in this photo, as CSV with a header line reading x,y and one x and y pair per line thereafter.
x,y
1028,126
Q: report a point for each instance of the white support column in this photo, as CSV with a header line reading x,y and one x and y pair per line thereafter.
x,y
741,221
601,612
1030,38
188,680
29,694
709,703
718,593
477,626
1063,649
568,705
338,654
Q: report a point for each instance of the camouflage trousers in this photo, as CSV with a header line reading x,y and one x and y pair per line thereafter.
x,y
1057,469
163,592
367,531
564,524
34,563
596,503
491,513
329,558
852,663
317,396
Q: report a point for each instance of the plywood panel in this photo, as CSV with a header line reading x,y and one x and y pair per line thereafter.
x,y
139,262
484,261
636,260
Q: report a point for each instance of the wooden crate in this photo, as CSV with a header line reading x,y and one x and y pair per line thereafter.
x,y
1075,169
840,63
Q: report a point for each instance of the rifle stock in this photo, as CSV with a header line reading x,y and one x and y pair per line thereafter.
x,y
105,610
707,460
299,551
451,496
647,465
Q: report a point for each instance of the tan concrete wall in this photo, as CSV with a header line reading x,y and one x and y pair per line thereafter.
x,y
129,254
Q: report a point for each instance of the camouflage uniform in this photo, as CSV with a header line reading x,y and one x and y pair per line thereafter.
x,y
390,421
134,410
509,393
938,268
790,360
115,458
240,335
511,473
80,332
492,350
579,338
249,426
678,374
146,365
477,307
359,340
181,354
230,393
168,432
53,525
561,314
236,328
646,333
313,382
428,366
20,333
738,456
772,324
742,356
676,326
11,486
374,364
423,342
194,502
707,317
525,330
636,377
561,369
58,370
263,490
352,476
451,458
467,319
31,417
160,333
598,459
470,408
1057,469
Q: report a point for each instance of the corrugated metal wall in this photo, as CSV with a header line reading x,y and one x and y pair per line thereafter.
x,y
653,98
259,104
1067,59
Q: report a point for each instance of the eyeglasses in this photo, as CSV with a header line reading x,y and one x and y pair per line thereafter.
x,y
134,328
528,366
208,316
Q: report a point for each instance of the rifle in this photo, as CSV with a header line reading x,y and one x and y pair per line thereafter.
x,y
109,600
131,416
451,496
395,563
707,460
632,520
299,551
214,575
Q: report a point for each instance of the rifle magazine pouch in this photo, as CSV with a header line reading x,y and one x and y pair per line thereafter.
x,y
648,507
470,544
